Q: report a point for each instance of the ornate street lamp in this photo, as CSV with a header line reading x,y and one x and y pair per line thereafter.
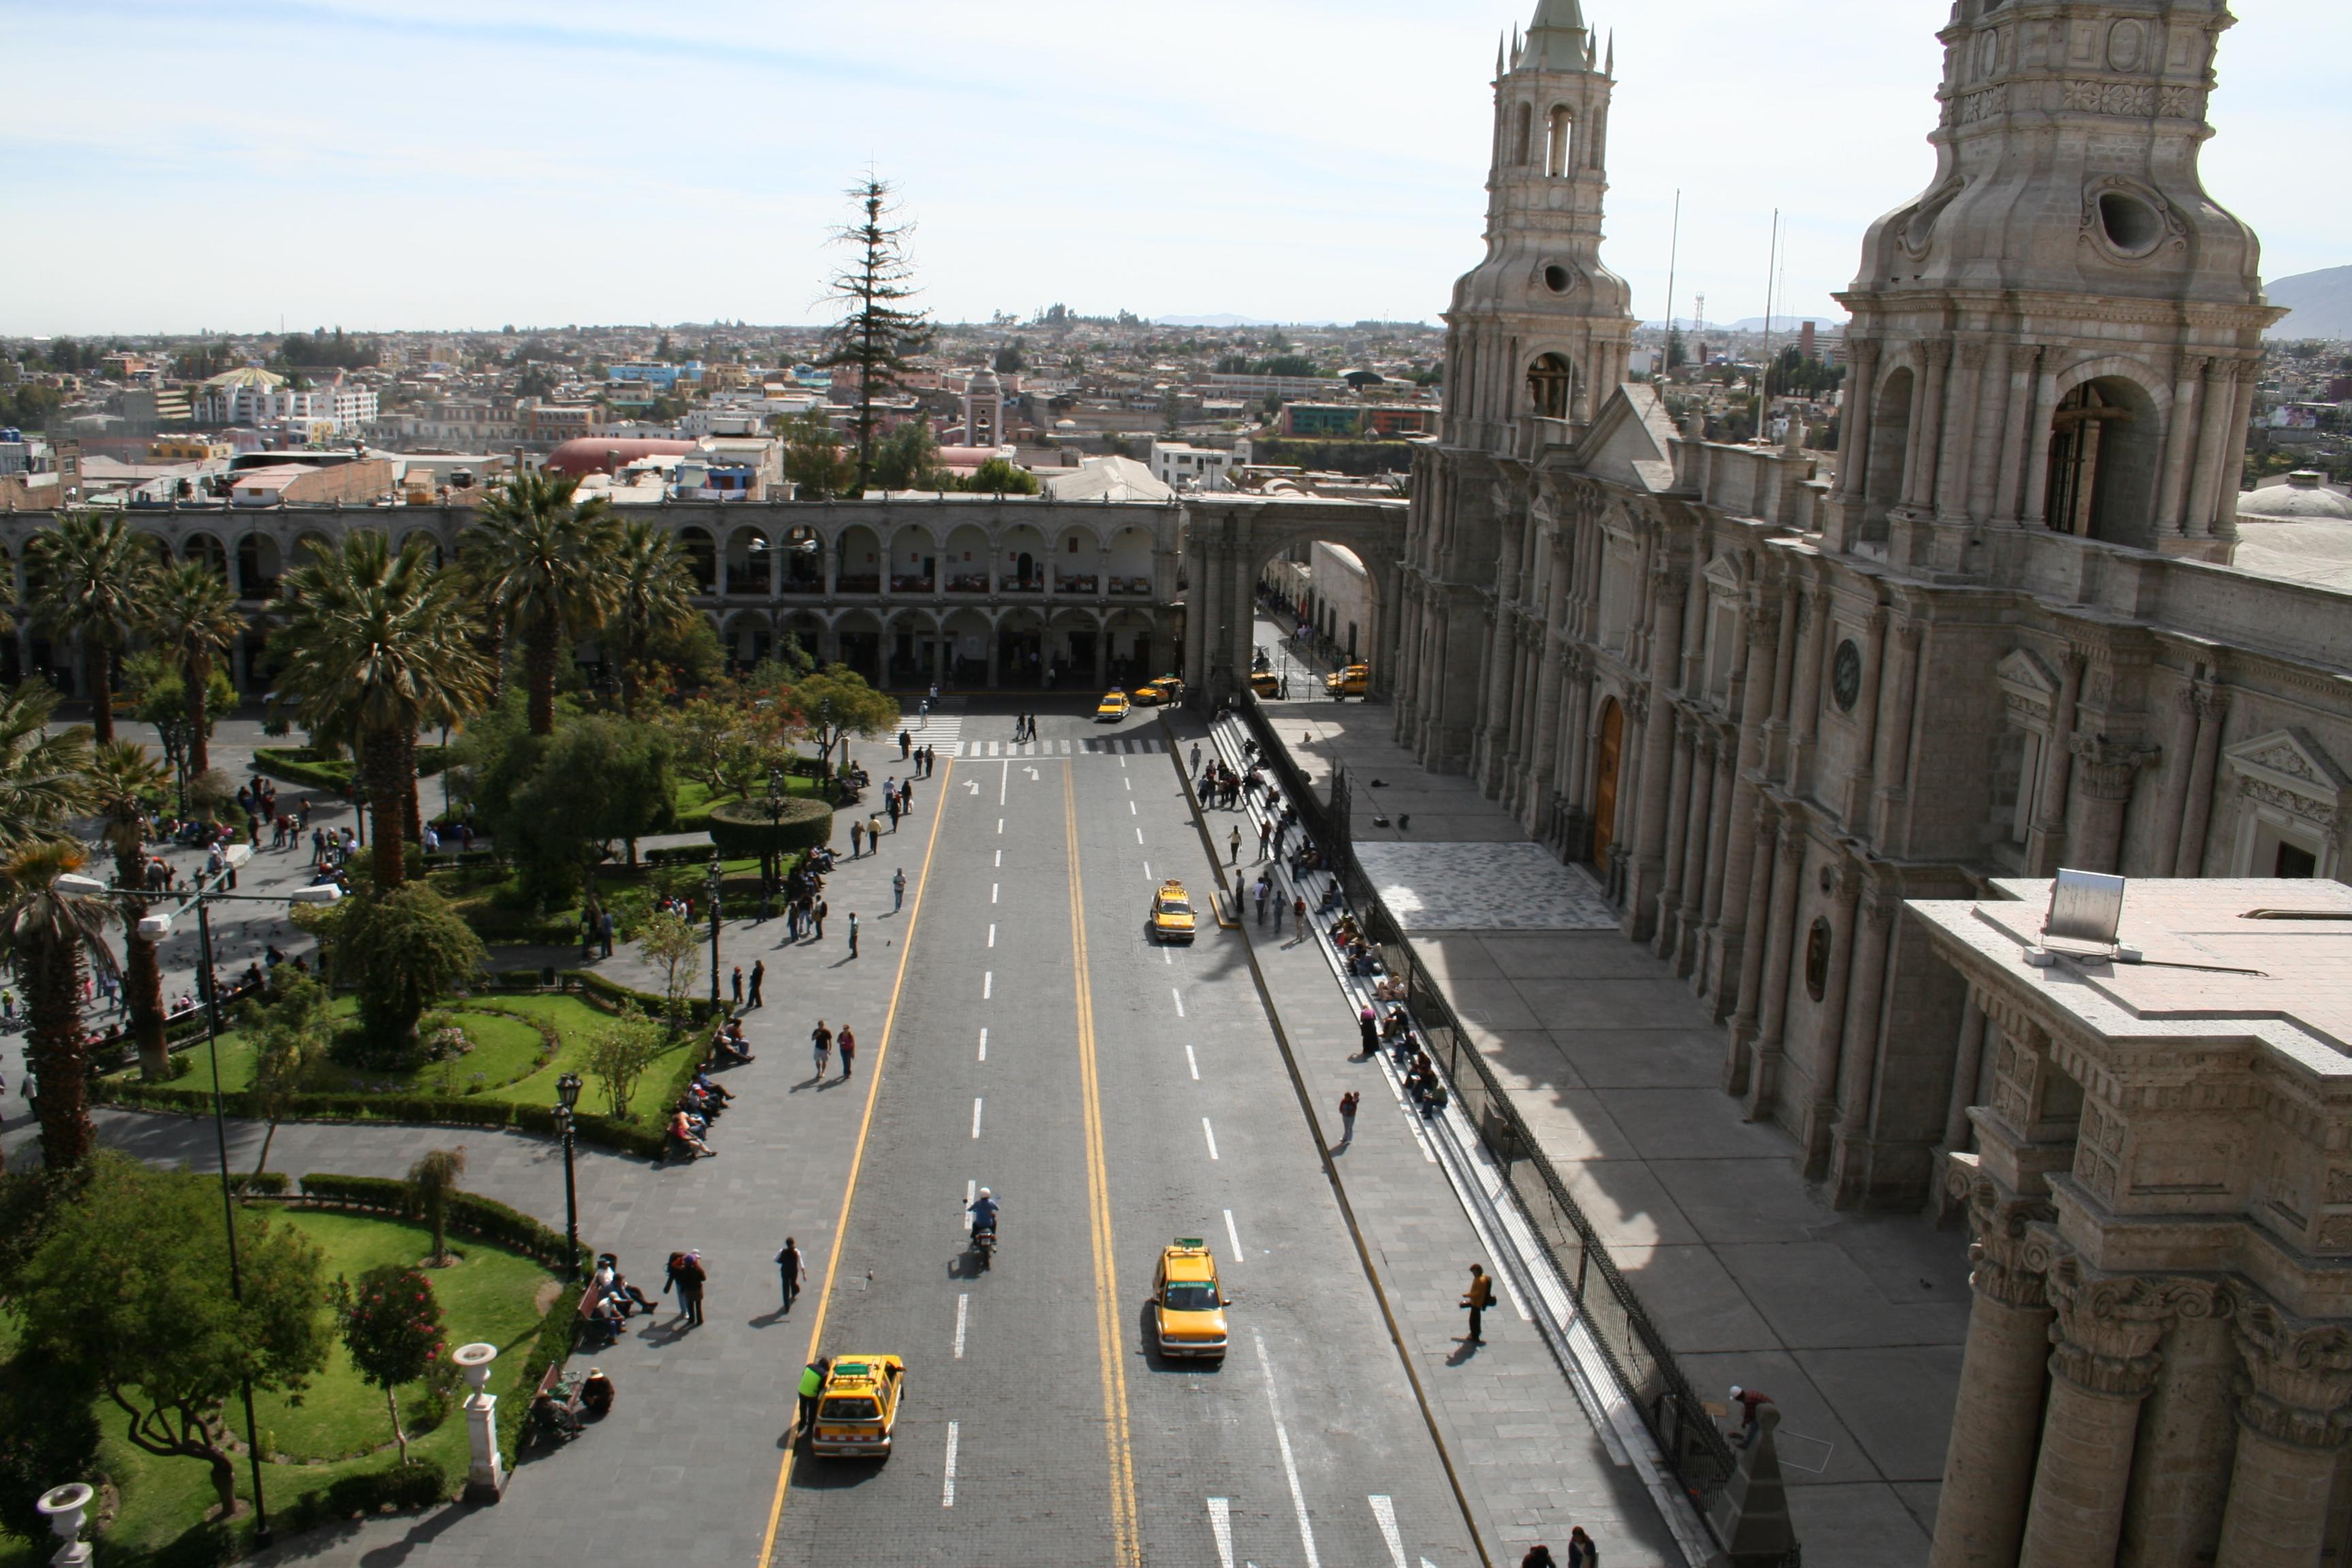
x,y
714,933
567,1099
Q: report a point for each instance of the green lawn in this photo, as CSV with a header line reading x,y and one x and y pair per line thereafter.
x,y
504,1064
341,1427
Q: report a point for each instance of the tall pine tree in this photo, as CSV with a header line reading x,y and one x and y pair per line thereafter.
x,y
878,333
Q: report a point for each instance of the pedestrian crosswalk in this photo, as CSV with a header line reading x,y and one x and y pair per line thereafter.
x,y
1087,746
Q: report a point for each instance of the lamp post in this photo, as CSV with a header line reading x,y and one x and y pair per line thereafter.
x,y
714,931
567,1097
155,928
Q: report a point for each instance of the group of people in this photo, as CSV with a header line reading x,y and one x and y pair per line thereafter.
x,y
1025,727
803,894
1581,1553
922,757
690,1118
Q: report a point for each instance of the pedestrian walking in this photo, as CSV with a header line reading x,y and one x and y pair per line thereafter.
x,y
856,839
890,805
792,1270
1582,1552
872,836
848,1052
1368,1028
853,933
817,912
898,891
691,1280
1538,1557
758,977
821,1047
1192,761
1298,912
604,932
905,744
1236,842
811,1384
1264,840
1477,1298
1347,1104
735,985
906,799
1265,887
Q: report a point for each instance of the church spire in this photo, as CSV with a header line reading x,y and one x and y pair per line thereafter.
x,y
1558,39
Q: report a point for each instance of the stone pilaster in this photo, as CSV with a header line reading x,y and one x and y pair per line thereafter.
x,y
2103,1365
2104,771
1989,1464
1778,941
1671,582
1700,817
2293,1422
1678,801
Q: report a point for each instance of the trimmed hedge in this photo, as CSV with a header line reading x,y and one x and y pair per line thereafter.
x,y
741,830
418,1484
444,1111
470,1213
302,765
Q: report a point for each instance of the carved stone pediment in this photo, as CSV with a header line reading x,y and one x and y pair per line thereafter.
x,y
2288,768
1724,576
2028,688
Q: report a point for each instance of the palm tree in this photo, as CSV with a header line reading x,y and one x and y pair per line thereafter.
x,y
55,937
42,777
378,646
545,563
192,614
432,1182
653,591
92,574
122,776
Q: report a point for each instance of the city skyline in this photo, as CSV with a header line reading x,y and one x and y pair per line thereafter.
x,y
433,166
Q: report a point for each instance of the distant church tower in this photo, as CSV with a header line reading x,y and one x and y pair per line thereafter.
x,y
984,409
2063,332
1541,327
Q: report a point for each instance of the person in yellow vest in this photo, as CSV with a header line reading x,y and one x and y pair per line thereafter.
x,y
811,1383
1477,1298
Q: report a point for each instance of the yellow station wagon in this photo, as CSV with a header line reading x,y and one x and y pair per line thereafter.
x,y
1167,689
1172,913
1187,1308
1113,705
858,1408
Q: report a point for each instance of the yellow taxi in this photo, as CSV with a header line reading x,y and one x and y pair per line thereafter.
x,y
1355,680
858,1409
1187,1308
1172,913
1265,682
1168,689
1113,707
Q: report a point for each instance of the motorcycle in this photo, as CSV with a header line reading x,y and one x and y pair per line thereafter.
x,y
983,1244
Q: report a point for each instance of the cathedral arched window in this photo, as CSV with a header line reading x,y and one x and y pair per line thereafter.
x,y
1523,144
1563,143
2103,461
1550,381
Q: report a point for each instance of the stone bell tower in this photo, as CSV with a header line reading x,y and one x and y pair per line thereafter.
x,y
2061,333
1540,327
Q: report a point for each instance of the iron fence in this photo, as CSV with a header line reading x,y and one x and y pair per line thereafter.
x,y
1693,1445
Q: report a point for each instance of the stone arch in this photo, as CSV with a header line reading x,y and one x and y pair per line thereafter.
x,y
914,559
1551,386
1609,761
1890,441
2106,446
1075,648
310,544
810,630
747,637
804,552
1559,141
859,561
1523,135
747,562
965,564
968,634
701,557
201,546
1023,556
440,553
1130,564
1020,647
1130,636
259,564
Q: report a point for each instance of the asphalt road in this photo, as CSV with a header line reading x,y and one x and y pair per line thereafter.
x,y
1126,1094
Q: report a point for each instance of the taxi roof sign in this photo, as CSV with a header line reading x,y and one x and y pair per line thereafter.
x,y
1189,1243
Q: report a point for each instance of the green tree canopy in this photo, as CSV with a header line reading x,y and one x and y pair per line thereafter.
x,y
391,1327
401,951
836,703
131,1289
879,332
92,574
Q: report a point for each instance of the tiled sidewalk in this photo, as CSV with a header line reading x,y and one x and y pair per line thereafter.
x,y
1854,1322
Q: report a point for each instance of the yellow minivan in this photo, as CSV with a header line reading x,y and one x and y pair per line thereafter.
x,y
1355,680
1188,1308
858,1410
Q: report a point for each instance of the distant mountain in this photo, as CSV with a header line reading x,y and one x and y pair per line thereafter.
x,y
2321,303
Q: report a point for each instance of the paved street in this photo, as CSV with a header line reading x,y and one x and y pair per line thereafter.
x,y
1121,1094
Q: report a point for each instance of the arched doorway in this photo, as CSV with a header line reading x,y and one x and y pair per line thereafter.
x,y
1890,441
1604,795
1550,382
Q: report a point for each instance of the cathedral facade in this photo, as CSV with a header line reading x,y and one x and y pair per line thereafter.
x,y
1767,694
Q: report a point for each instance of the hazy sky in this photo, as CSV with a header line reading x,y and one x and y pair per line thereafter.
x,y
378,163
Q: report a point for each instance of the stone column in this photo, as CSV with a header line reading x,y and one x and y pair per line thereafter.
x,y
832,559
776,550
1199,590
2045,841
1736,792
1699,822
1858,1055
2106,769
2215,403
1763,836
1777,942
2180,1469
996,649
1853,439
2241,411
1967,1063
1805,708
1927,424
1671,576
2037,446
1703,860
2025,374
1829,1022
2292,1425
1678,800
1891,764
1873,679
2212,712
1989,1464
1953,473
2103,1365
2179,440
2180,761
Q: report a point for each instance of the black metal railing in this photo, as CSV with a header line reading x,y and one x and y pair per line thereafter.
x,y
1694,1446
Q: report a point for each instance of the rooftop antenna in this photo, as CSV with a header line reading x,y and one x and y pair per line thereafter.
x,y
1771,265
1674,256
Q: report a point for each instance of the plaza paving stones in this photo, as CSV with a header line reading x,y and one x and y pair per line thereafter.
x,y
1483,887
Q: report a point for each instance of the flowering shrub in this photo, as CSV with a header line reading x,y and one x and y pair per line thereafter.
x,y
392,1326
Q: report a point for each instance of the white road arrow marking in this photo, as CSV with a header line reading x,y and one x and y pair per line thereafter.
x,y
972,785
1383,1510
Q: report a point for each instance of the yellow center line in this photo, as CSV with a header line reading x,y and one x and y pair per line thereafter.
x,y
1109,1337
857,1159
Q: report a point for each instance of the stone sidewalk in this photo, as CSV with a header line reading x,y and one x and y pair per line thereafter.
x,y
1854,1324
